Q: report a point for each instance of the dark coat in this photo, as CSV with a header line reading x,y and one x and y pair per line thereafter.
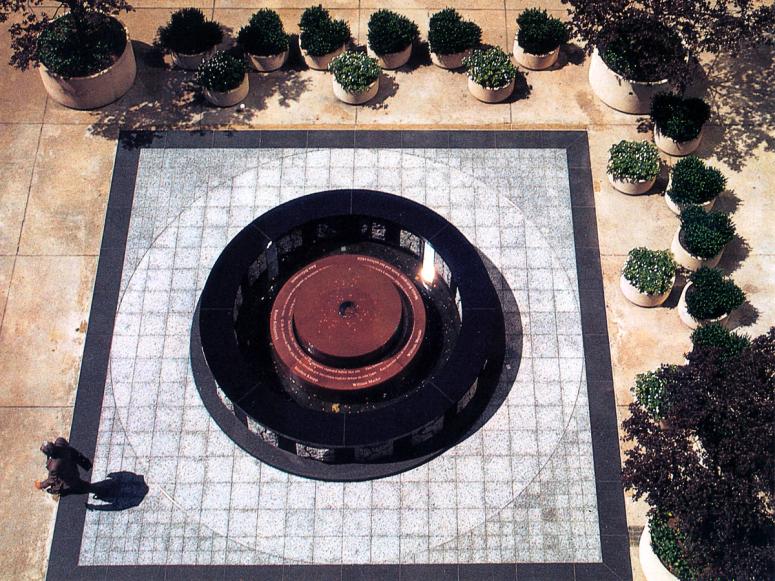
x,y
62,465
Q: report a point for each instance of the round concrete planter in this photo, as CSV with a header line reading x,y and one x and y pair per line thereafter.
x,y
269,63
636,297
449,61
392,60
95,90
228,98
355,98
652,567
190,62
690,321
320,63
673,147
688,261
629,187
490,95
535,62
677,208
614,90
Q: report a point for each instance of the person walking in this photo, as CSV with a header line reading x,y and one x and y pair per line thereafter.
x,y
62,462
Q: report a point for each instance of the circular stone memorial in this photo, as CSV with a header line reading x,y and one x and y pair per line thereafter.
x,y
348,335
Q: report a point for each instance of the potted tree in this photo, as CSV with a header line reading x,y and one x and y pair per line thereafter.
x,y
633,62
538,40
356,77
648,276
701,238
491,76
84,56
678,122
708,297
708,479
390,38
693,183
223,79
633,166
264,41
322,38
642,47
189,38
451,38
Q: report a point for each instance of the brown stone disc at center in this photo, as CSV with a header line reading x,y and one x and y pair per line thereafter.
x,y
347,312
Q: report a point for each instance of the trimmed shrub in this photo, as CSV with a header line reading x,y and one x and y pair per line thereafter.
x,y
678,118
221,72
355,71
649,391
390,32
540,33
264,34
704,234
320,34
711,295
650,271
667,544
448,33
694,182
717,338
491,68
188,32
633,161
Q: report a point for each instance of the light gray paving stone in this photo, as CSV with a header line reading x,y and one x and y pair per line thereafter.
x,y
484,500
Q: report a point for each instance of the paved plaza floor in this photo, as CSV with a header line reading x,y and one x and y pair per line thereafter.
x,y
58,166
524,488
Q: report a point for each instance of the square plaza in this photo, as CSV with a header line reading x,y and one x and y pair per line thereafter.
x,y
521,489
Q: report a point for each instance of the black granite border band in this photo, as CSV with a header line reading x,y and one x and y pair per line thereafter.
x,y
63,560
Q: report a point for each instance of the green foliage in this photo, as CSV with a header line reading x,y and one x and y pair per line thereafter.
x,y
650,271
221,72
83,45
390,32
716,336
264,34
650,392
188,32
711,295
704,234
694,182
678,118
633,161
69,51
320,34
641,49
355,71
491,68
667,545
540,33
448,33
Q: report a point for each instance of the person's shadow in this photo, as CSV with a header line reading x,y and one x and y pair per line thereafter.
x,y
119,491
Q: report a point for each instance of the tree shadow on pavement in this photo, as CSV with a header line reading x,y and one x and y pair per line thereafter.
x,y
740,90
163,98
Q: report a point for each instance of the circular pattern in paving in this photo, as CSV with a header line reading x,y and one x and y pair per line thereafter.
x,y
348,335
